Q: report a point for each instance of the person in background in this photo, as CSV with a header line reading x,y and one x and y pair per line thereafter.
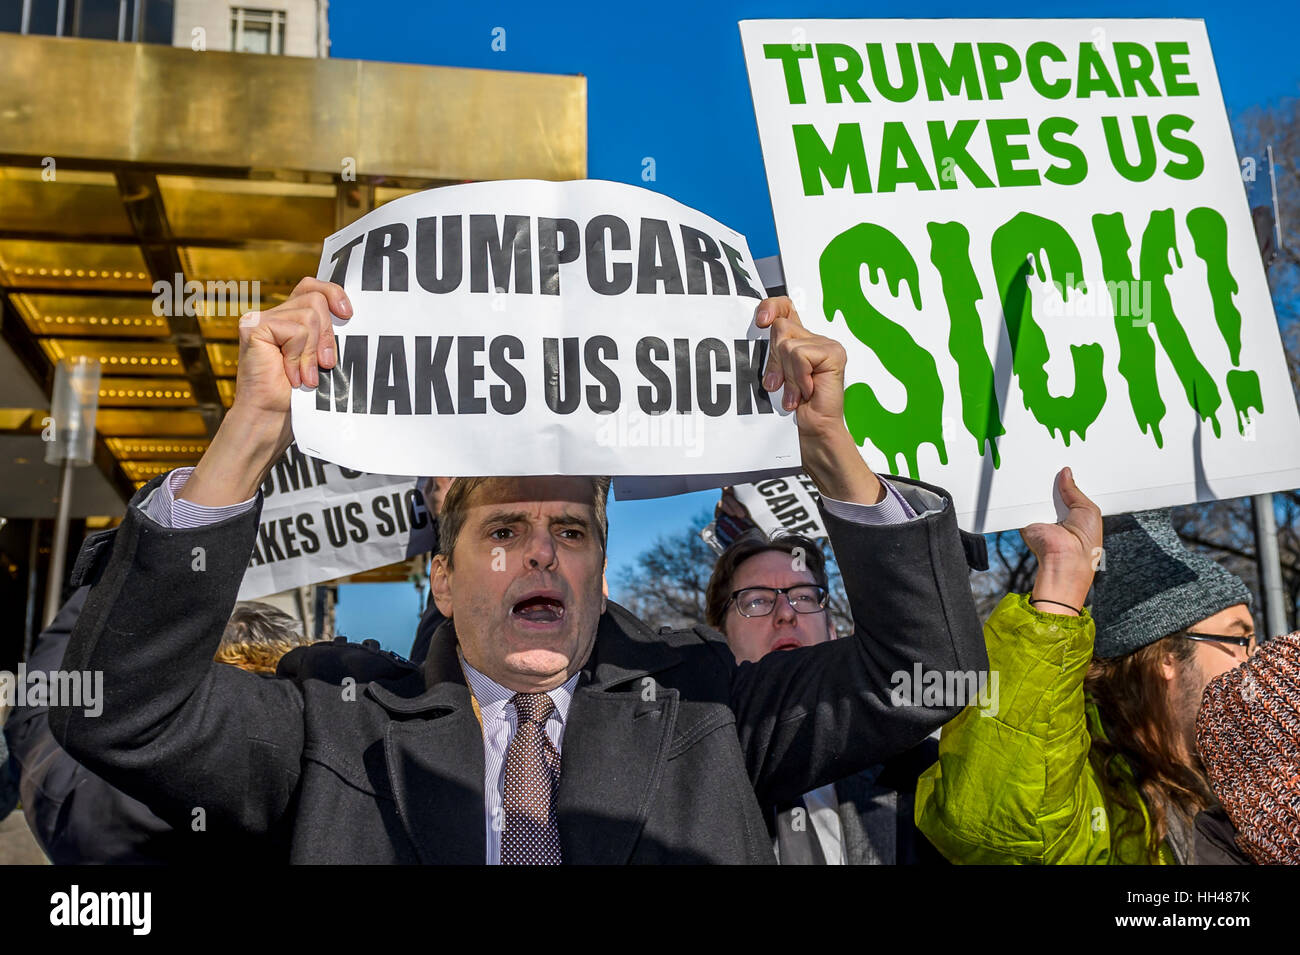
x,y
1248,735
769,596
1092,758
434,491
79,818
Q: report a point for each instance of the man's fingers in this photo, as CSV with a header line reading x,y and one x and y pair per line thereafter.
x,y
334,295
291,335
327,346
770,309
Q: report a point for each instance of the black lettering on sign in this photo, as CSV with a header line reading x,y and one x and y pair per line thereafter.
x,y
358,532
310,542
711,352
499,248
562,398
739,274
602,398
341,258
608,278
649,350
426,254
751,356
431,374
551,254
780,503
415,509
287,534
468,373
682,358
658,260
347,379
385,525
703,253
488,248
508,397
385,245
392,384
270,546
334,529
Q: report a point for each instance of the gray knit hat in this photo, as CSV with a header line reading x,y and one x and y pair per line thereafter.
x,y
1152,585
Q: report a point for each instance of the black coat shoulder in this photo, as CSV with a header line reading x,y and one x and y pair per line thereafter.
x,y
339,659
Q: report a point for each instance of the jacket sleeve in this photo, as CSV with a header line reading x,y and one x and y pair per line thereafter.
x,y
1014,785
810,716
75,816
178,731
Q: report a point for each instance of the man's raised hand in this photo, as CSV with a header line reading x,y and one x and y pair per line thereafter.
x,y
280,349
811,369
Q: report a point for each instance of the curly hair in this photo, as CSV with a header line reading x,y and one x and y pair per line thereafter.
x,y
257,635
1139,755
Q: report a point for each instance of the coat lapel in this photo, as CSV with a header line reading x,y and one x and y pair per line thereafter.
x,y
434,750
868,819
616,742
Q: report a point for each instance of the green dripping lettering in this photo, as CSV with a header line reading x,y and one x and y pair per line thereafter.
x,y
921,420
950,253
1024,236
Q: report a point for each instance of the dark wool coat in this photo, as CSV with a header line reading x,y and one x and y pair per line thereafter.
x,y
356,755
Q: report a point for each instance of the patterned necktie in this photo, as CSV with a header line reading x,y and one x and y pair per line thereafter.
x,y
530,835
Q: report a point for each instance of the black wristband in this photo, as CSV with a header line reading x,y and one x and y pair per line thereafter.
x,y
1044,600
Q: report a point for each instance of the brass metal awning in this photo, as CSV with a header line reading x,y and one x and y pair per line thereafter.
x,y
123,165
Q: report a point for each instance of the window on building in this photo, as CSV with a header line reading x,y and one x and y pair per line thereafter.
x,y
11,16
149,21
256,31
33,16
101,20
156,21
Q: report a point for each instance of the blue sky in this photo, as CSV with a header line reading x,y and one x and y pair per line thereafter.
x,y
667,80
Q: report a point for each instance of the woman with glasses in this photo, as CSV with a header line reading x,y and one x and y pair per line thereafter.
x,y
1094,759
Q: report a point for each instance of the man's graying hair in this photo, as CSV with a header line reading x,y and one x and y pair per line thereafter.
x,y
456,505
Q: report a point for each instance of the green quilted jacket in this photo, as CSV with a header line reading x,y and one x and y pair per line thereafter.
x,y
1013,783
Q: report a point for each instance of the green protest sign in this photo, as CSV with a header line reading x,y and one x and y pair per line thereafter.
x,y
1032,238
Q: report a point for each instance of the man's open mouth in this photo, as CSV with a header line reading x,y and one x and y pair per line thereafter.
x,y
539,608
787,643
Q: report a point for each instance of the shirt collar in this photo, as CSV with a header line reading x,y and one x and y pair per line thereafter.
x,y
493,698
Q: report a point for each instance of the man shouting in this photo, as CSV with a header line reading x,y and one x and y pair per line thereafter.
x,y
547,724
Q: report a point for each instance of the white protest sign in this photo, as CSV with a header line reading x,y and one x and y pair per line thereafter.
x,y
320,522
545,328
1032,238
783,505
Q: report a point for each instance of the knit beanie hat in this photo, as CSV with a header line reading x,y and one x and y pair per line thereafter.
x,y
1248,734
1149,585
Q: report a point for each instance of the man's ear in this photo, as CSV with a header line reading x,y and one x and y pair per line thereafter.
x,y
440,585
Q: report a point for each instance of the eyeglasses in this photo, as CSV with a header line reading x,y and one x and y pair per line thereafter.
x,y
1247,641
760,601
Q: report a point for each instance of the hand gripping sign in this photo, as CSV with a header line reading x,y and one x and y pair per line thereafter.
x,y
1032,239
544,328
